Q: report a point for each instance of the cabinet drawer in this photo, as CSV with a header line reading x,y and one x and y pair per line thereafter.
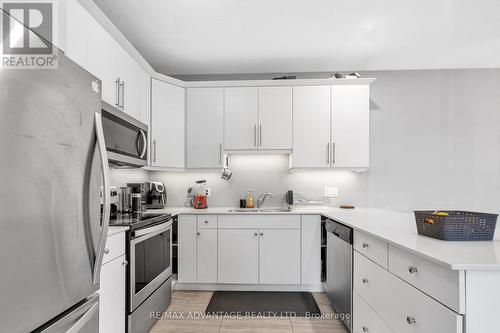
x,y
115,247
365,319
207,221
404,308
437,281
269,221
371,247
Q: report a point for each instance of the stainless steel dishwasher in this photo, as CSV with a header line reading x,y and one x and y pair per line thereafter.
x,y
339,270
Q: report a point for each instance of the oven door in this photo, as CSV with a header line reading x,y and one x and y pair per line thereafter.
x,y
150,261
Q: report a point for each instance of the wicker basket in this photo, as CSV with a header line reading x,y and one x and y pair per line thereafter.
x,y
455,225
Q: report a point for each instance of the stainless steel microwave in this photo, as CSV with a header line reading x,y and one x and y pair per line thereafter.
x,y
126,138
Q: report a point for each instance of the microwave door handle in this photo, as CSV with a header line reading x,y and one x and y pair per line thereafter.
x,y
96,272
145,143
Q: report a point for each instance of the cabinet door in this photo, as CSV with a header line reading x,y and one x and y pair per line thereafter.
x,y
279,256
167,125
350,126
311,126
238,256
112,296
207,256
240,118
275,118
205,121
186,246
311,249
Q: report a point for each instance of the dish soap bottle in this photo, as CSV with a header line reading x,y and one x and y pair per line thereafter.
x,y
250,203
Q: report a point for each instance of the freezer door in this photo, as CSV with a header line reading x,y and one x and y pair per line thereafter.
x,y
51,229
84,318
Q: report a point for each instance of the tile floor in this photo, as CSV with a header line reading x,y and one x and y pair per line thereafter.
x,y
182,316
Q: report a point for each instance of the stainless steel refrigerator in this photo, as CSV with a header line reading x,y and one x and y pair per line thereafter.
x,y
54,170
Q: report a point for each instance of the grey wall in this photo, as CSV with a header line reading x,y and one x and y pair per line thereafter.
x,y
435,143
435,140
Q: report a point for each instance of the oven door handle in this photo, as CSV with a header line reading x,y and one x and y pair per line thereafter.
x,y
151,231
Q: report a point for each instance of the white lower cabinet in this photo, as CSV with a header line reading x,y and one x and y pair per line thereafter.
x,y
403,307
238,256
186,246
279,256
112,287
206,258
366,319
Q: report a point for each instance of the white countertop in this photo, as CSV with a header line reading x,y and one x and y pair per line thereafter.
x,y
397,228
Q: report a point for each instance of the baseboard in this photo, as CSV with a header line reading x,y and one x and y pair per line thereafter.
x,y
248,287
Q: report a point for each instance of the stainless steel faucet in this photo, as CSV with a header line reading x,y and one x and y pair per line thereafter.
x,y
262,198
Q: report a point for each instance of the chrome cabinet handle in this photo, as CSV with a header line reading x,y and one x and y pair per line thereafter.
x,y
124,263
220,153
365,245
412,269
410,320
255,135
262,234
365,329
260,135
198,233
106,251
96,271
333,153
256,234
122,85
206,222
365,281
154,151
117,104
328,153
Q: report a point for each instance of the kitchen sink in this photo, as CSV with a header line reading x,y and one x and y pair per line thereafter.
x,y
260,210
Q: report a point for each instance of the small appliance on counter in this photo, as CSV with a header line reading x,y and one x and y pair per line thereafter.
x,y
197,195
156,195
137,197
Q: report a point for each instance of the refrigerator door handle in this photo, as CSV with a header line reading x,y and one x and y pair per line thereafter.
x,y
80,323
96,272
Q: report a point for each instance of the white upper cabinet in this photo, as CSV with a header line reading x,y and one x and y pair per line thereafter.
x,y
331,126
275,118
205,120
125,84
241,118
311,126
350,126
167,132
258,118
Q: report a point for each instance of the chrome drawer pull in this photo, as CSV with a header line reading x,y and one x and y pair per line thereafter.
x,y
198,233
255,233
106,251
365,281
365,329
365,245
410,320
412,269
206,221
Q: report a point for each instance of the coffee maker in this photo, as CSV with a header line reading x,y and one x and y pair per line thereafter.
x,y
156,195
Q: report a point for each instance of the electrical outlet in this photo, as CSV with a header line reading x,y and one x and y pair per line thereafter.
x,y
209,192
331,192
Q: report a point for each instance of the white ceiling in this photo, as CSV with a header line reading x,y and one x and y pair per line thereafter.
x,y
193,37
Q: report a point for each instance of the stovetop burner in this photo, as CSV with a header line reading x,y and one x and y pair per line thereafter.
x,y
137,220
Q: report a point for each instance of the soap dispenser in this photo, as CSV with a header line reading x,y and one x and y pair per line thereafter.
x,y
250,202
